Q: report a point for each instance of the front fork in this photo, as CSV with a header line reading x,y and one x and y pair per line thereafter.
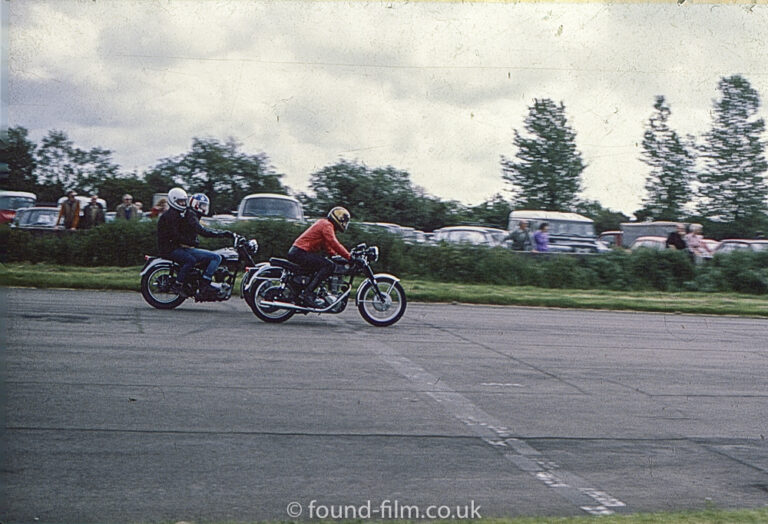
x,y
372,278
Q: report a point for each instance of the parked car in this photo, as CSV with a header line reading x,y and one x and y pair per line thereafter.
x,y
568,232
649,242
218,220
475,235
737,244
386,227
611,238
412,235
12,201
36,218
270,205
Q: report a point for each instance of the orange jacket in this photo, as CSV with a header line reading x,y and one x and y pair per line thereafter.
x,y
321,236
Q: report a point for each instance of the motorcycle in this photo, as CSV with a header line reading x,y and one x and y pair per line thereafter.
x,y
273,290
158,274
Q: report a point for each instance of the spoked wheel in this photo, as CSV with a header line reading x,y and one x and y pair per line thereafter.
x,y
156,288
269,291
382,312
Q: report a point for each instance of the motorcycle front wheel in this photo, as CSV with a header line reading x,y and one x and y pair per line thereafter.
x,y
380,312
155,288
269,291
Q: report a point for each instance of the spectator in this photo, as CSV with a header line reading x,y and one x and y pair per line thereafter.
x,y
696,245
140,207
93,213
541,238
159,208
521,237
127,210
69,211
676,239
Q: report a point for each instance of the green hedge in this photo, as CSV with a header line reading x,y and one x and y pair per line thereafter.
x,y
126,243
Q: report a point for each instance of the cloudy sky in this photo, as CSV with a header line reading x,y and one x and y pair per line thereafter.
x,y
434,88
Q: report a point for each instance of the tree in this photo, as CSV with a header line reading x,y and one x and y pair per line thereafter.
x,y
733,185
494,212
605,219
112,188
672,162
18,153
382,194
62,166
547,172
221,171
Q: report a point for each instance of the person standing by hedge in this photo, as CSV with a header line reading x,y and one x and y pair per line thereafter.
x,y
521,237
676,239
696,245
127,210
93,213
69,211
541,238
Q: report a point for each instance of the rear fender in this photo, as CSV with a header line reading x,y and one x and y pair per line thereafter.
x,y
260,273
154,262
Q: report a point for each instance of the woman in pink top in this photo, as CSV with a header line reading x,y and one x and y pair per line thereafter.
x,y
696,244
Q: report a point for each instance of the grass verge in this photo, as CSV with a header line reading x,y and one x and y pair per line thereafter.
x,y
127,278
711,516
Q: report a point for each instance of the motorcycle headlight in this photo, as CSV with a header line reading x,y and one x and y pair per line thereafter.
x,y
373,254
253,246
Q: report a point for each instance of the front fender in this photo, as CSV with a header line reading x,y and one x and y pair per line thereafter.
x,y
377,276
153,263
260,272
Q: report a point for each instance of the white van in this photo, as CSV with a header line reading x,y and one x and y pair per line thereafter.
x,y
568,232
270,205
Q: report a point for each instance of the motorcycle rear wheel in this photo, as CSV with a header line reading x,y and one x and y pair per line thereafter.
x,y
268,291
154,288
377,312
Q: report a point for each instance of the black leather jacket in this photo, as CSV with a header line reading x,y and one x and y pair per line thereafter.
x,y
175,230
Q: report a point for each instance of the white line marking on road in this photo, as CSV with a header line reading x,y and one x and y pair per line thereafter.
x,y
519,453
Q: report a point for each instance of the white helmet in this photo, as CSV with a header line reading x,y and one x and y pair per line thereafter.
x,y
200,204
177,199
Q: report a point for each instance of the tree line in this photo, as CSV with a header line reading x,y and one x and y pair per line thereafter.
x,y
719,179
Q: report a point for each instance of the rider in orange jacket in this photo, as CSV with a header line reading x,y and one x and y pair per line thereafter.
x,y
308,251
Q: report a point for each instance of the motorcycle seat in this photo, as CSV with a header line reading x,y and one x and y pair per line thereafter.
x,y
287,264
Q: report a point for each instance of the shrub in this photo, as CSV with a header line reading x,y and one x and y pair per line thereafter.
x,y
126,243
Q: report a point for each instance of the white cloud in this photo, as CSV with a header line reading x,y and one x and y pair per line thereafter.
x,y
433,88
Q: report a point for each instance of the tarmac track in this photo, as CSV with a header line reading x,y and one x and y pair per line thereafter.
x,y
116,412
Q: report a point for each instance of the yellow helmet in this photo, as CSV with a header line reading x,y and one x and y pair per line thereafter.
x,y
339,217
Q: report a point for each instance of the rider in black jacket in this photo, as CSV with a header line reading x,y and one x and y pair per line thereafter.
x,y
177,231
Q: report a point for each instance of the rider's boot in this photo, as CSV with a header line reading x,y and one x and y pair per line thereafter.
x,y
178,289
209,290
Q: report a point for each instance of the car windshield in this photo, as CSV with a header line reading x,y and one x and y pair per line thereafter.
x,y
16,202
39,217
471,237
272,207
578,229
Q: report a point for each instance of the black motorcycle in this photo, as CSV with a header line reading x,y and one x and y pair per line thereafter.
x,y
159,273
273,290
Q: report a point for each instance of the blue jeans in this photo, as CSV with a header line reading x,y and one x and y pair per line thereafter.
x,y
188,257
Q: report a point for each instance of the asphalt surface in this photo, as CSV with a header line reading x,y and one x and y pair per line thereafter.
x,y
116,412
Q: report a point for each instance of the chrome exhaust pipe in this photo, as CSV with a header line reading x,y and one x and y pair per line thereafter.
x,y
288,305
